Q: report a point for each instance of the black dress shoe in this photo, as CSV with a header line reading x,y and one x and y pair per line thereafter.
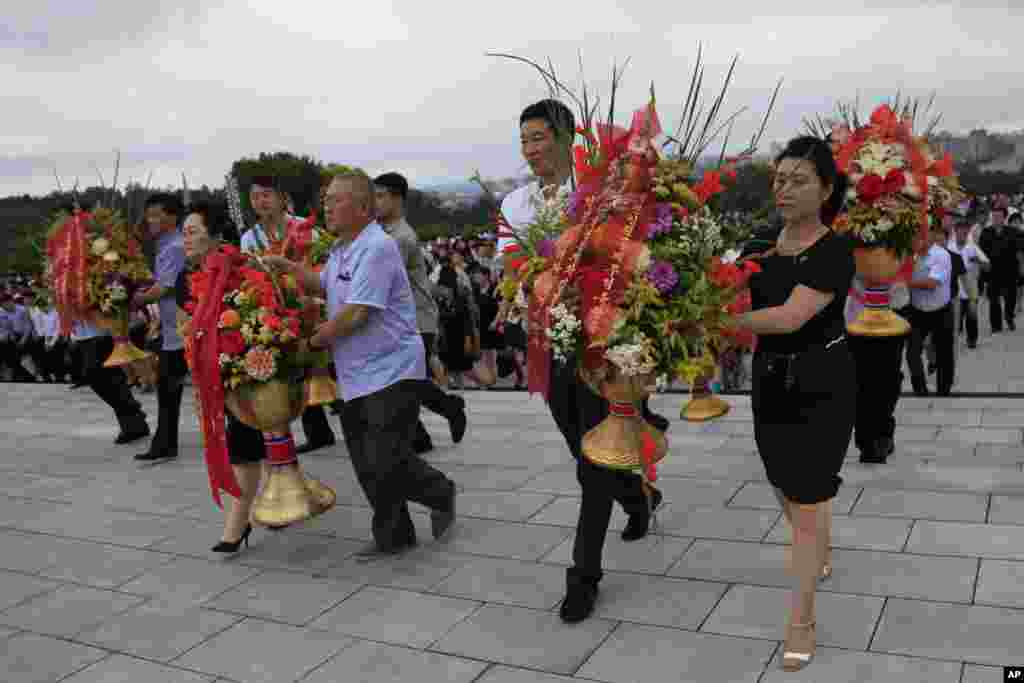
x,y
580,596
131,435
457,422
375,550
309,446
636,527
441,520
421,447
149,456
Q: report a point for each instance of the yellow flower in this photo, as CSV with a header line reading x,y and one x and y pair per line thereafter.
x,y
100,246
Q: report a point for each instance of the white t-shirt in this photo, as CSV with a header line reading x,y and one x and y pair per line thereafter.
x,y
520,209
973,258
936,265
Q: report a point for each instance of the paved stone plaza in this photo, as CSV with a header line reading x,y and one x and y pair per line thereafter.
x,y
107,575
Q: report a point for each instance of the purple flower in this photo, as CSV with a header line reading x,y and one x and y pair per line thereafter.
x,y
662,222
663,276
546,248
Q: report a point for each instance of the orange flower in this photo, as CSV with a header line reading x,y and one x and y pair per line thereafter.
x,y
230,319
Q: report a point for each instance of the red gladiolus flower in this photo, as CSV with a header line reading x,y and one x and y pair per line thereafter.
x,y
895,180
870,188
231,342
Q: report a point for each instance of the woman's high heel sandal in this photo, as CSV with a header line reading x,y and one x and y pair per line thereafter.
x,y
229,547
800,646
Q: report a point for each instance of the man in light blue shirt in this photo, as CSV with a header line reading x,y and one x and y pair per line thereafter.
x,y
380,362
163,213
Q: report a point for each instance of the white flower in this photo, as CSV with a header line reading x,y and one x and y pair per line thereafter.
x,y
632,359
100,246
111,257
564,333
731,256
224,359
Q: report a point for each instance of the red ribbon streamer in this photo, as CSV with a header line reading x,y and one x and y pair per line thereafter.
x,y
219,266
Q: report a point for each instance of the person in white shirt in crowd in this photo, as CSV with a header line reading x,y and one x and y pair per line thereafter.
x,y
974,258
19,333
931,313
43,339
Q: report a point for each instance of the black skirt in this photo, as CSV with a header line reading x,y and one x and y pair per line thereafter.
x,y
803,427
245,444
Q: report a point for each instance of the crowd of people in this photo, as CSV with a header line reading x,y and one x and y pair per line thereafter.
x,y
409,323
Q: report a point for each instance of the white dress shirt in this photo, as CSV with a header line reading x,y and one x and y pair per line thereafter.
x,y
938,266
520,209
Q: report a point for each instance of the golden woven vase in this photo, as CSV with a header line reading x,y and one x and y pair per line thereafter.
x,y
288,496
125,352
876,266
617,442
703,404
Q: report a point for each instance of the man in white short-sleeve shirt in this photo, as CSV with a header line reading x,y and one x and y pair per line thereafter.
x,y
932,314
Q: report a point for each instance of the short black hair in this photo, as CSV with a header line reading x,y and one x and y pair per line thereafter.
x,y
818,152
558,116
394,183
268,181
167,201
213,217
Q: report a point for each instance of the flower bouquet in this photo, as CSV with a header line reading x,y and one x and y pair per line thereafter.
x,y
244,351
893,176
642,253
95,265
320,385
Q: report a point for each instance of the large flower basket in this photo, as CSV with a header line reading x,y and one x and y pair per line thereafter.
x,y
703,404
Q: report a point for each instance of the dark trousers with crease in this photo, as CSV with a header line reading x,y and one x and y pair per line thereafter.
x,y
940,326
315,425
576,410
378,430
1002,301
432,397
110,384
879,362
169,388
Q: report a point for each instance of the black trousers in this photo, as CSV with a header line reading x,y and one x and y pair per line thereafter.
x,y
939,326
315,425
969,320
1002,301
40,357
10,357
879,362
169,387
378,430
576,410
433,397
110,384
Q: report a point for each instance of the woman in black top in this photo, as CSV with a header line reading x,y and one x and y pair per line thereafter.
x,y
804,385
245,444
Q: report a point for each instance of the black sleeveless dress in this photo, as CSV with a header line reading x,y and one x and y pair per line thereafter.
x,y
804,384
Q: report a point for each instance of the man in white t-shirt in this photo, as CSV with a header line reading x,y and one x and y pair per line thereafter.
x,y
974,258
931,313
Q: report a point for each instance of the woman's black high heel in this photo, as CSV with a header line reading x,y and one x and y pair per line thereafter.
x,y
228,547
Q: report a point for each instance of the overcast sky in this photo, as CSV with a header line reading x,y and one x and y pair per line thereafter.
x,y
190,85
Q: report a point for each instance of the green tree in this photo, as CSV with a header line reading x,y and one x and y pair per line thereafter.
x,y
299,176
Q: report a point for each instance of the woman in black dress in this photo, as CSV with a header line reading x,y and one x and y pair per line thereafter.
x,y
245,444
804,387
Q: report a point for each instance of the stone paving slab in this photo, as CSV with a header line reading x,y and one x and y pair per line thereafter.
x,y
106,573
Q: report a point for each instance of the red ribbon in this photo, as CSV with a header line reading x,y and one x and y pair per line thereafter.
x,y
219,266
66,252
619,409
280,448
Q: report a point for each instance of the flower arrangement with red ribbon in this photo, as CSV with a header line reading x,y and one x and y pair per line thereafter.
x,y
95,265
895,178
640,248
